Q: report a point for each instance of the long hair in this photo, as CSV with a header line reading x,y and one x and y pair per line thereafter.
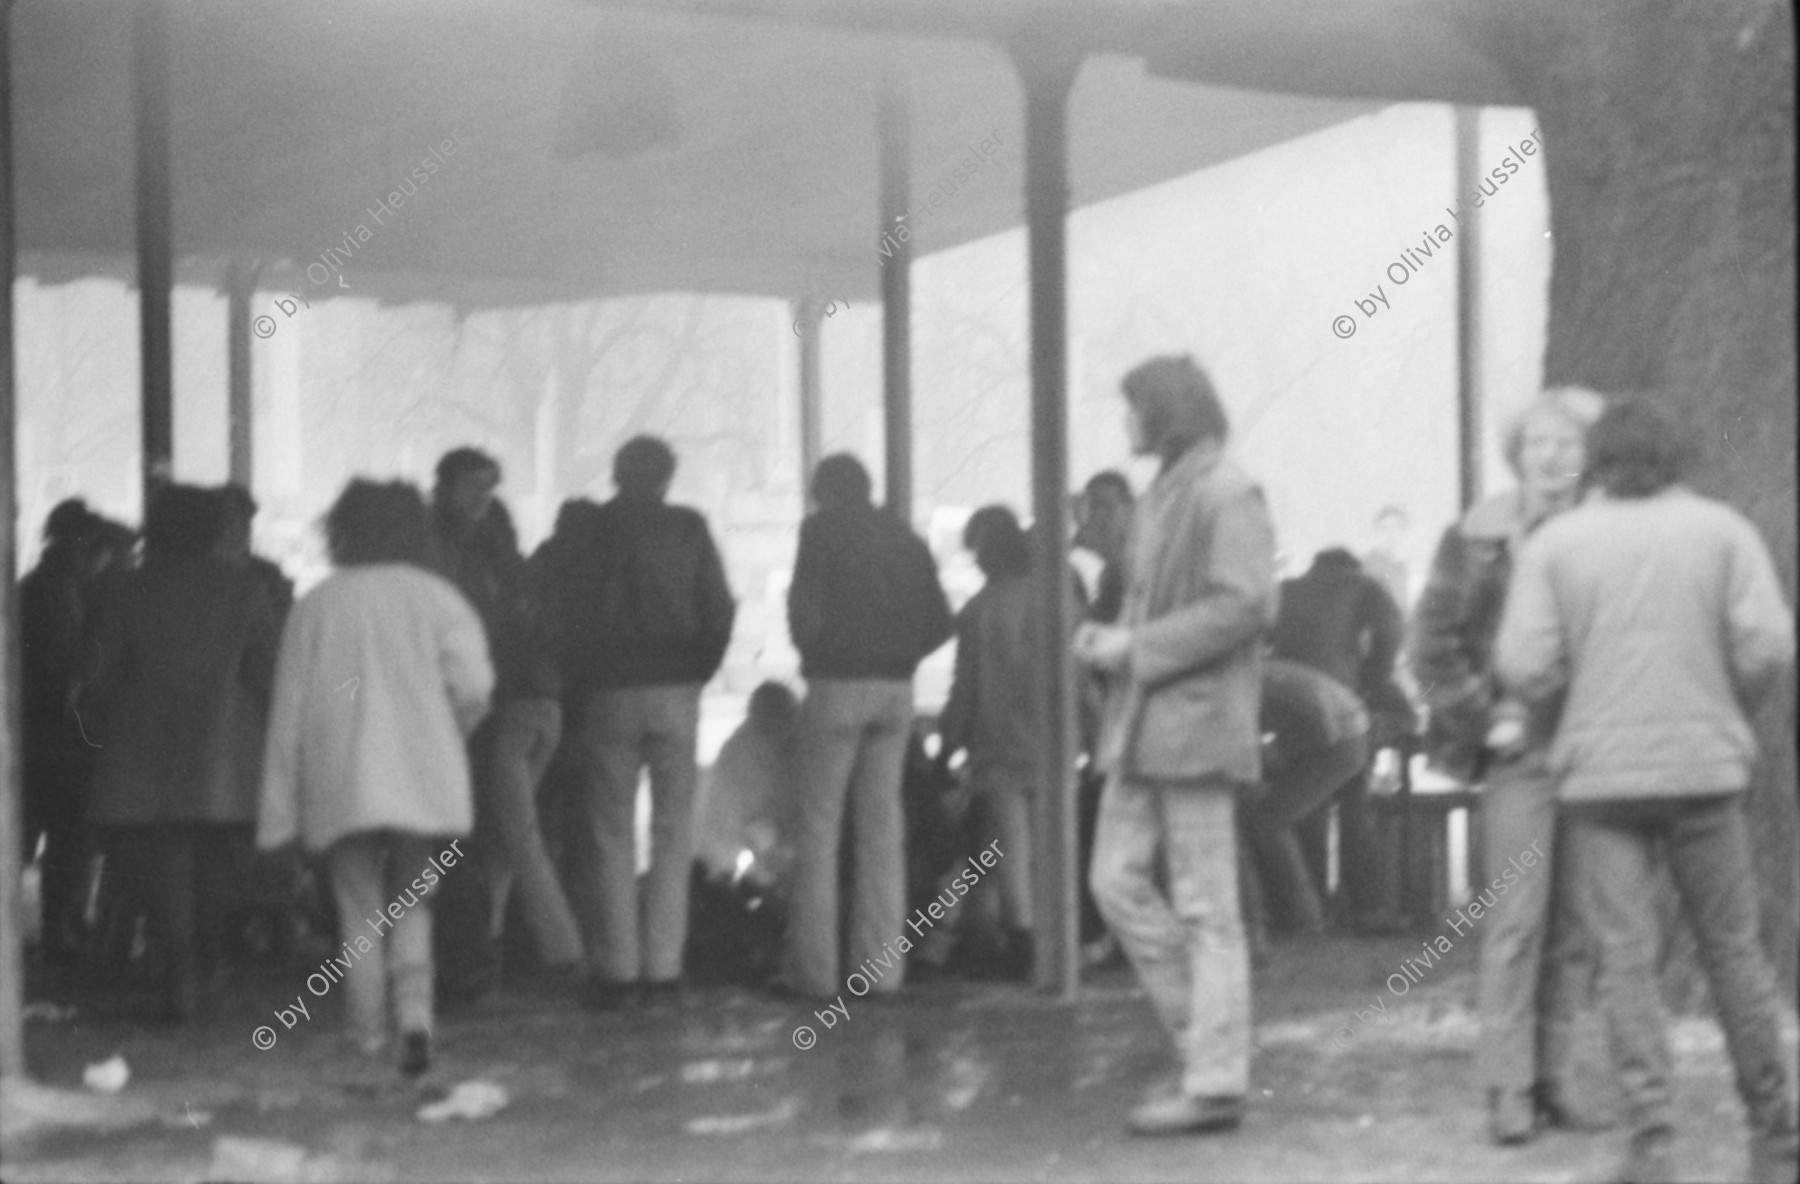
x,y
380,522
1176,404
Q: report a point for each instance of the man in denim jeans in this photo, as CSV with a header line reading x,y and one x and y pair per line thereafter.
x,y
1180,736
637,601
864,608
1654,617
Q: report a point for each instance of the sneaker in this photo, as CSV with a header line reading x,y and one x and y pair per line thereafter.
x,y
415,1053
1556,1107
1175,1113
605,994
1512,1116
1650,1157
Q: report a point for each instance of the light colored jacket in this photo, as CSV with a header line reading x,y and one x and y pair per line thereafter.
x,y
1199,595
1660,624
382,675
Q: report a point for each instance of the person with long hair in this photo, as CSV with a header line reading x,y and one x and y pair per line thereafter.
x,y
383,675
1534,969
1180,739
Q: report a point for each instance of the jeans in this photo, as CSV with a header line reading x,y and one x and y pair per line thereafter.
x,y
1008,797
525,737
853,735
369,871
1188,948
1536,970
1706,844
624,731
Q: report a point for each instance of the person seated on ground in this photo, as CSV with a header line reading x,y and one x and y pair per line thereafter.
x,y
743,851
742,798
1315,739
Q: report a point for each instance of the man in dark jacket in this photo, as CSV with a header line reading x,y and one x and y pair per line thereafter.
x,y
479,552
1180,739
642,614
1340,621
864,608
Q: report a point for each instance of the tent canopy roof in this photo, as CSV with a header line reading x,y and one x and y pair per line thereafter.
x,y
611,148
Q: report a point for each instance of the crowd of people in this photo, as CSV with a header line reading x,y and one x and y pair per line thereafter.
x,y
1589,649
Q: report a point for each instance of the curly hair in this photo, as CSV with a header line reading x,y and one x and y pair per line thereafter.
x,y
380,522
1634,449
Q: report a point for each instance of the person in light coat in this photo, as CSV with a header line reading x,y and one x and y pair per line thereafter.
x,y
1180,739
382,675
1654,618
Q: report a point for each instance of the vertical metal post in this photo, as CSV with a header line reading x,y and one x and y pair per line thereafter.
x,y
12,823
809,319
240,285
1048,72
894,250
154,269
1468,310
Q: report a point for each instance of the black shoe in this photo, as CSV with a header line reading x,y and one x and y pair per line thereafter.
x,y
1512,1117
1557,1108
663,994
415,1053
605,994
1176,1113
1018,956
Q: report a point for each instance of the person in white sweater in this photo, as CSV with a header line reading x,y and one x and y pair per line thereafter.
x,y
382,675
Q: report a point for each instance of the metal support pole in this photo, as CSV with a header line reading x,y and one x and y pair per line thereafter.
x,y
1048,73
12,823
154,268
1468,311
240,285
809,318
894,247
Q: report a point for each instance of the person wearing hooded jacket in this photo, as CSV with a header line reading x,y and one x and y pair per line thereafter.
x,y
1180,739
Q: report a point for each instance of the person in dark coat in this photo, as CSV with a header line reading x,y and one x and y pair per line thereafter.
x,y
1315,740
187,653
1339,620
865,607
641,613
1104,525
55,603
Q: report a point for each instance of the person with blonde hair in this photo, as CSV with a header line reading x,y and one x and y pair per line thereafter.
x,y
1534,967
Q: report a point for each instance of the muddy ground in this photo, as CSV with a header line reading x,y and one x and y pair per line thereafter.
x,y
952,1082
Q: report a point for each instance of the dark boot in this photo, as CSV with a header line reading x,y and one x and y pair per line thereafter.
x,y
1512,1117
1557,1107
1018,955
